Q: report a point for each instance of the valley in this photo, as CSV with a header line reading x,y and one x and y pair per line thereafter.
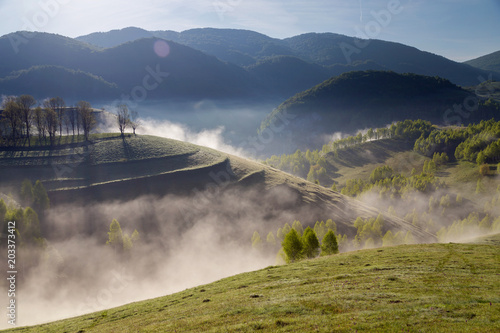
x,y
221,179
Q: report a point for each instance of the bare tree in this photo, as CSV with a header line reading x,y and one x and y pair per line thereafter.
x,y
58,105
51,124
67,121
78,121
39,120
123,118
134,120
12,116
72,118
87,118
26,103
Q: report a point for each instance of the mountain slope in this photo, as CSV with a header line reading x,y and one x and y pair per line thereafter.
x,y
330,49
363,99
42,81
488,62
381,290
112,168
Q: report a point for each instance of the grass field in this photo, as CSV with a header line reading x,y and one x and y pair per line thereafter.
x,y
408,288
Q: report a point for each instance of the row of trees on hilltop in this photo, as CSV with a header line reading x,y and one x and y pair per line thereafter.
x,y
23,116
125,119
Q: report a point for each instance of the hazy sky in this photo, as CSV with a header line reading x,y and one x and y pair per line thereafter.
x,y
457,29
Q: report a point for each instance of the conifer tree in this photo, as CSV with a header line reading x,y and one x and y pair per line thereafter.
x,y
292,246
310,243
329,244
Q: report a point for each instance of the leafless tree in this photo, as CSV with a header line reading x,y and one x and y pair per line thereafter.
x,y
123,118
25,103
39,121
87,118
51,123
12,116
134,120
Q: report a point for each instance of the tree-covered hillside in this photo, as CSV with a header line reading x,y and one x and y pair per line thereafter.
x,y
363,99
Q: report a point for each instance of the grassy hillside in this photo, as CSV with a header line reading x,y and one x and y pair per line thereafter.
x,y
433,287
110,167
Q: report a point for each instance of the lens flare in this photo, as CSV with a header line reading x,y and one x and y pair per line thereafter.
x,y
162,49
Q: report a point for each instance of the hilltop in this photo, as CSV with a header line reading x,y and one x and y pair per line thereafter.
x,y
401,288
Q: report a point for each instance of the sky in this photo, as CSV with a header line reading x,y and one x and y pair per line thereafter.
x,y
457,29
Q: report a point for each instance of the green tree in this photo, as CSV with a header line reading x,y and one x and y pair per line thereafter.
x,y
409,239
127,243
445,201
330,225
31,225
135,236
329,244
270,240
311,243
481,158
498,168
311,176
298,227
320,229
115,235
27,192
292,246
388,239
3,210
40,197
256,241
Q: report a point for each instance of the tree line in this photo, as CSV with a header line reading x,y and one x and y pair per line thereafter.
x,y
296,243
36,201
23,116
312,165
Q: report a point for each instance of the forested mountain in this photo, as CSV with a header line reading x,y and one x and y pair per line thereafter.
x,y
170,71
364,99
488,62
42,81
244,48
211,63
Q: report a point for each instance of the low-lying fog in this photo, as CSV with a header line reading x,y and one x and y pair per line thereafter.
x,y
222,125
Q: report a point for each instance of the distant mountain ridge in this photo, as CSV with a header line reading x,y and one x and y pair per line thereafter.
x,y
245,48
223,64
488,62
133,67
